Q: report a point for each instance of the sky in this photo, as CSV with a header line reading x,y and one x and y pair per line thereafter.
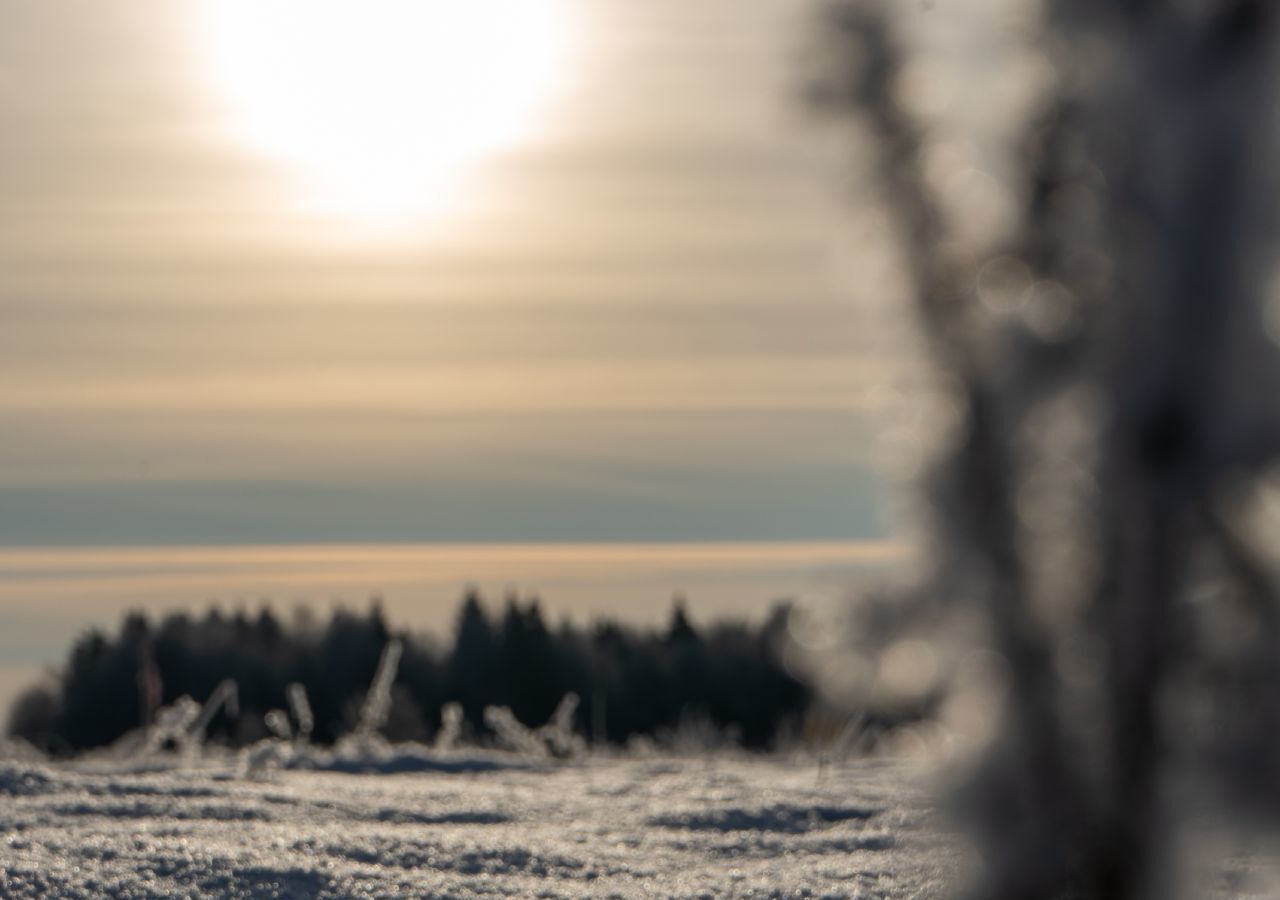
x,y
569,298
616,315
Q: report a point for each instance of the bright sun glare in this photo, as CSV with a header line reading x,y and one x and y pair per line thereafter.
x,y
380,105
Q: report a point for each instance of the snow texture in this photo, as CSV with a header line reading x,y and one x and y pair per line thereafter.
x,y
717,827
415,822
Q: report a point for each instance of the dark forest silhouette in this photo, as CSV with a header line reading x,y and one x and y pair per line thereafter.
x,y
631,682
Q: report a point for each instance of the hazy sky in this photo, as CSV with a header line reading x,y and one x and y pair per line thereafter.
x,y
612,315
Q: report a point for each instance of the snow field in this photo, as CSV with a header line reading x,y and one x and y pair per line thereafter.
x,y
601,827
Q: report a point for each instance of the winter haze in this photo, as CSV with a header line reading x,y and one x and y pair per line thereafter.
x,y
553,272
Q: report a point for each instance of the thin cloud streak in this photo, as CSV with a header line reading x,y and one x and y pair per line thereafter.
x,y
554,386
421,583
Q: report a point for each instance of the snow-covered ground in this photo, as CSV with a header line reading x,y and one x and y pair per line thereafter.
x,y
421,824
713,827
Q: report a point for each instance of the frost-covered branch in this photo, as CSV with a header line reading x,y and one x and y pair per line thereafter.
x,y
1101,349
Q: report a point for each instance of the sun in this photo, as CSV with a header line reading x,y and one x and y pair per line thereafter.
x,y
379,107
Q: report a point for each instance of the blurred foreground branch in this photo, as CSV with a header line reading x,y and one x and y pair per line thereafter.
x,y
1107,352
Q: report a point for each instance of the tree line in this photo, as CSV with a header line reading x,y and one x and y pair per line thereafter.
x,y
632,682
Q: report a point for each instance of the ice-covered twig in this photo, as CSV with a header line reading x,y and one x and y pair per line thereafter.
x,y
224,697
277,722
172,723
377,703
450,727
512,734
558,733
301,708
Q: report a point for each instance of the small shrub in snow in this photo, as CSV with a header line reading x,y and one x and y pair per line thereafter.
x,y
558,733
277,722
450,727
301,708
377,703
183,723
511,734
172,725
225,697
265,756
